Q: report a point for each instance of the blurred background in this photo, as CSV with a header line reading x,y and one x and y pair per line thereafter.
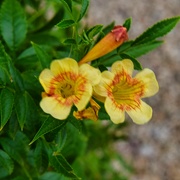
x,y
154,148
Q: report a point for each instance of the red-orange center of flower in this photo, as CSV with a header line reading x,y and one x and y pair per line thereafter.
x,y
126,91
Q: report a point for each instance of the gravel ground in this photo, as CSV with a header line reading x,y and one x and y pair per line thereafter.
x,y
154,148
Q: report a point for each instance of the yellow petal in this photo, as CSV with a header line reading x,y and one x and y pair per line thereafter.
x,y
115,113
102,88
45,78
142,114
90,73
82,97
147,76
125,65
64,65
51,106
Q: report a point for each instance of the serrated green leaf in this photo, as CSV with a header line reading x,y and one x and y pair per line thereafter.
x,y
6,164
40,157
67,4
42,55
21,108
84,7
6,105
141,49
13,23
127,23
157,30
136,63
49,124
62,166
65,23
94,31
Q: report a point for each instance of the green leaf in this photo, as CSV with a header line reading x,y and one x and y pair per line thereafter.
x,y
127,23
138,50
6,164
41,157
49,125
157,30
94,31
6,105
42,55
85,4
136,63
21,108
13,23
65,23
62,166
15,76
70,41
67,4
50,175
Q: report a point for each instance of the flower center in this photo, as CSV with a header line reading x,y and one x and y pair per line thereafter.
x,y
127,91
66,90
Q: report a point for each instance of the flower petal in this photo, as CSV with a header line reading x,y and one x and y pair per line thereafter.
x,y
124,65
91,73
45,78
115,113
104,85
51,106
82,97
142,114
151,85
64,65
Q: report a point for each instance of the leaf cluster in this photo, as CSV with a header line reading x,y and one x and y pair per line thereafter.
x,y
34,145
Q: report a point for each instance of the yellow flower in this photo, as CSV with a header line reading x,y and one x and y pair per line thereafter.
x,y
89,113
67,84
123,93
107,44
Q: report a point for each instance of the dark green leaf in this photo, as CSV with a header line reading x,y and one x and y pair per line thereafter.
x,y
49,124
76,123
67,4
50,175
70,41
65,23
62,166
157,30
85,4
41,157
6,105
13,23
102,68
42,55
138,50
6,164
136,63
127,23
21,108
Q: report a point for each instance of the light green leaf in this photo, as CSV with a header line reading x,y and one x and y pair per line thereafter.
x,y
62,166
6,164
141,49
65,23
49,125
6,105
42,55
136,63
85,4
94,31
13,23
50,175
157,30
21,108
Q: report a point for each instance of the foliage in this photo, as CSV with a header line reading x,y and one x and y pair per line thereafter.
x,y
34,145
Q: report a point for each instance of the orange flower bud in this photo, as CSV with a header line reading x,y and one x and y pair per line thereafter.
x,y
107,44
